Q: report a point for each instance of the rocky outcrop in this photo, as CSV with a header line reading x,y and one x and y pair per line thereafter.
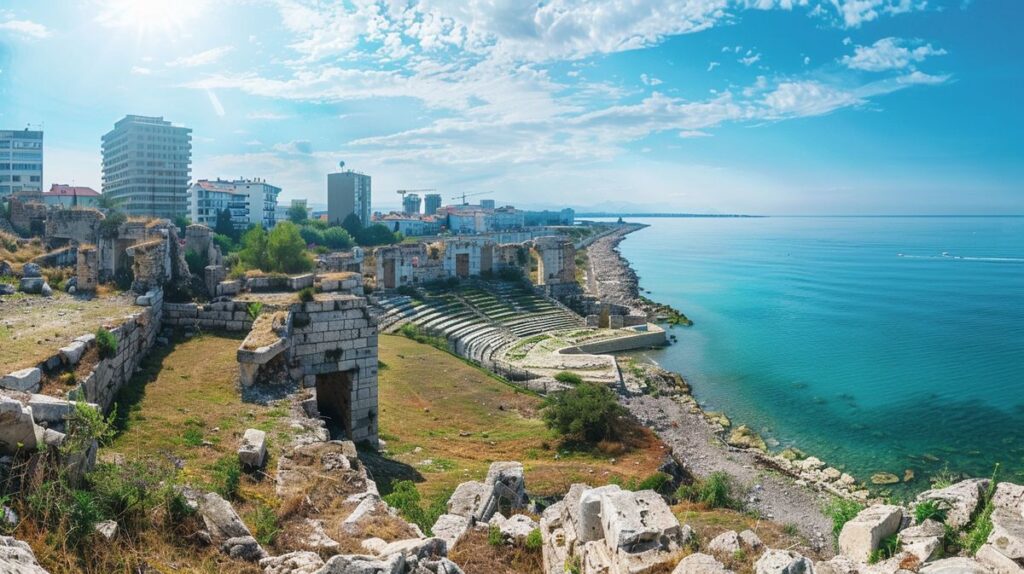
x,y
783,562
16,557
745,437
960,500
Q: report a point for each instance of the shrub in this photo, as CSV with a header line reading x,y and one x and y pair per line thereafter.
x,y
254,253
406,499
569,378
337,238
494,537
85,424
930,509
376,234
534,540
109,226
196,262
130,492
106,343
297,213
655,482
264,521
841,511
227,476
407,290
311,235
225,243
715,491
254,309
287,250
981,526
888,548
307,294
587,412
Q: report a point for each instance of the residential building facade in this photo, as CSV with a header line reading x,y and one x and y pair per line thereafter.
x,y
250,201
68,196
411,204
348,192
147,166
431,203
21,161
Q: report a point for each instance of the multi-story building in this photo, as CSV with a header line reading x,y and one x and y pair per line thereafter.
x,y
348,192
411,204
535,218
431,203
71,196
147,166
21,161
250,202
487,203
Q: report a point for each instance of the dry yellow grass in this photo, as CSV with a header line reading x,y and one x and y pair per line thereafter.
x,y
447,421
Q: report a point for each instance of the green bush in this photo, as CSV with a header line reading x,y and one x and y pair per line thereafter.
x,y
841,511
106,343
715,491
587,412
307,294
297,214
981,527
569,378
254,253
655,482
494,537
406,499
286,250
196,262
376,234
130,492
887,548
227,476
930,509
311,235
85,424
337,238
264,522
534,540
254,309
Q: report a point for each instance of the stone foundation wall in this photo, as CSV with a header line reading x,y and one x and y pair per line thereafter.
x,y
88,268
150,264
222,315
64,257
80,225
135,338
28,216
336,334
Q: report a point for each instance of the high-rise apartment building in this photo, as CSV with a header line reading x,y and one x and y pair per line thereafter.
x,y
147,166
21,161
348,192
250,202
411,204
431,203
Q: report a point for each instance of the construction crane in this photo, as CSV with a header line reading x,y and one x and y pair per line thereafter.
x,y
402,192
465,195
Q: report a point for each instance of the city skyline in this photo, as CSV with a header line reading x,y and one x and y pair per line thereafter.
x,y
766,107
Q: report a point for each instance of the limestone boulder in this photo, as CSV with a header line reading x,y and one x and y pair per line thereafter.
x,y
745,437
16,557
46,290
26,380
862,535
418,547
958,565
17,427
960,500
508,482
1009,496
638,521
253,451
51,410
31,285
517,528
363,565
783,562
451,528
750,541
472,500
924,540
439,566
726,543
221,519
700,564
373,545
316,538
1007,533
997,561
243,548
31,270
107,529
588,515
837,565
292,563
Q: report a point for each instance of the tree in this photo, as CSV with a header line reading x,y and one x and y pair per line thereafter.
x,y
352,224
376,234
586,412
182,221
108,203
337,238
311,235
287,250
224,226
254,254
297,214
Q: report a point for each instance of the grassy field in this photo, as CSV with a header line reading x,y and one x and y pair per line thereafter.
x,y
445,421
33,327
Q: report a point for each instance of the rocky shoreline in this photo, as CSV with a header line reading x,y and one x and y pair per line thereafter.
x,y
789,487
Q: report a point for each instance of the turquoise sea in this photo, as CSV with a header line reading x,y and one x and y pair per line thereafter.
x,y
876,344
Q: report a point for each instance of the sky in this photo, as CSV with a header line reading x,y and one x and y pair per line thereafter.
x,y
703,106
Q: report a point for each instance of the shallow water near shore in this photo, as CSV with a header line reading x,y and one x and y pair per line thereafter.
x,y
877,344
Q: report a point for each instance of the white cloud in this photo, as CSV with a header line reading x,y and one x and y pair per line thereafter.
x,y
712,65
750,58
889,54
853,13
203,58
25,28
141,71
218,108
649,80
300,147
807,60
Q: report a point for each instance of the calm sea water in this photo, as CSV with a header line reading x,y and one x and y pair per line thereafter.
x,y
854,339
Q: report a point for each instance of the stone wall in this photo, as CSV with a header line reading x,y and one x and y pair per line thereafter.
x,y
150,264
199,238
78,225
28,216
88,268
556,260
221,315
334,342
63,257
642,337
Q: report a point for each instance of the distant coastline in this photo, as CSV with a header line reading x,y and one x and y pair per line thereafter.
x,y
585,214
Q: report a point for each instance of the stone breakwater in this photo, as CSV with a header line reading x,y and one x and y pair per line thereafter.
x,y
609,276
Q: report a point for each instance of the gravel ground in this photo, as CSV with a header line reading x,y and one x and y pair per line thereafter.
x,y
702,452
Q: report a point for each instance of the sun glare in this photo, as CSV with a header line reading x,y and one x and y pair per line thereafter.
x,y
151,17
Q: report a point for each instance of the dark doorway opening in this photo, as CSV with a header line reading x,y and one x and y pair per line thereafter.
x,y
334,400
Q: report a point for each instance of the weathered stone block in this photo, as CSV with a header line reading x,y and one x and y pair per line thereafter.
x,y
783,562
862,535
253,451
27,380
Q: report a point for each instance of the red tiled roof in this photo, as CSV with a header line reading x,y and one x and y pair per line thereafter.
x,y
69,190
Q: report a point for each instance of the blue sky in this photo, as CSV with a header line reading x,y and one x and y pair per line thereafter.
x,y
753,106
